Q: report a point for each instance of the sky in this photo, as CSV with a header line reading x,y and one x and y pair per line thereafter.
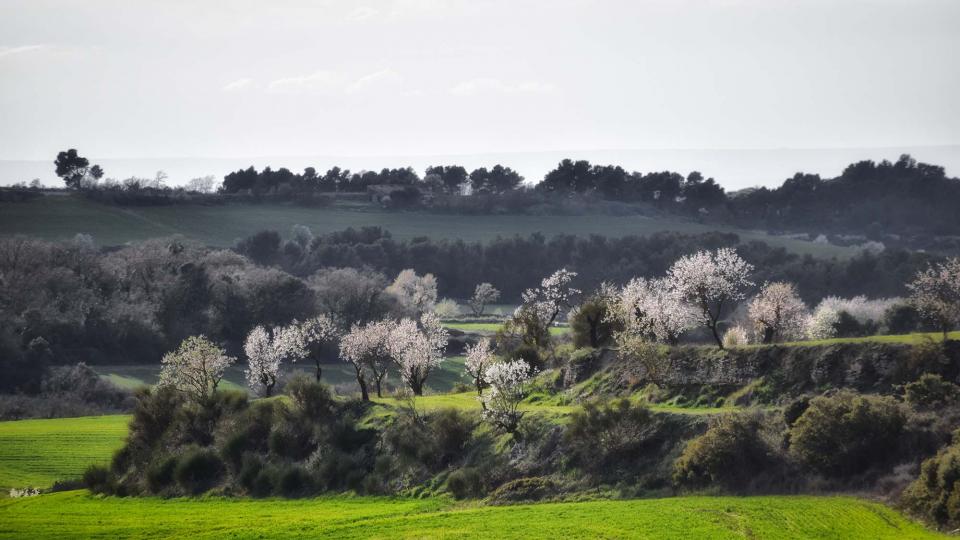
x,y
241,80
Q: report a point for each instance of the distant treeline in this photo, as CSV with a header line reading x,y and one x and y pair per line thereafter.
x,y
905,197
513,264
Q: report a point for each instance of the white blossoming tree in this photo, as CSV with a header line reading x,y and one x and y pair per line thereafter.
x,y
417,349
418,294
654,309
483,295
366,347
711,281
263,361
508,382
195,368
540,308
300,341
936,294
777,313
478,357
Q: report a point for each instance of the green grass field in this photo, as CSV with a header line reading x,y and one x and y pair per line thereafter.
x,y
492,328
77,514
36,453
61,217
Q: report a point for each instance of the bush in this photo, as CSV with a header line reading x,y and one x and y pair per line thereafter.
x,y
465,483
931,391
847,433
293,482
732,453
160,474
310,397
97,479
524,489
603,435
935,494
198,471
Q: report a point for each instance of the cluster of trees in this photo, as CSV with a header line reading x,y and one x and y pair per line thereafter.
x,y
514,264
450,179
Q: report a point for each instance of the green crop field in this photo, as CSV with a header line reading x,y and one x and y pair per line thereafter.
x,y
61,217
36,453
77,514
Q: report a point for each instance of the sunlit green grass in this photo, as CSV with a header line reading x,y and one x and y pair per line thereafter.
x,y
79,515
36,453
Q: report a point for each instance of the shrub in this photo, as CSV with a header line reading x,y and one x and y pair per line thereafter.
x,y
198,470
846,433
465,483
931,391
935,494
604,434
732,453
293,482
311,398
524,489
97,479
736,336
160,474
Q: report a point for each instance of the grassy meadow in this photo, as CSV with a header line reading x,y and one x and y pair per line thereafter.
x,y
37,453
78,514
61,217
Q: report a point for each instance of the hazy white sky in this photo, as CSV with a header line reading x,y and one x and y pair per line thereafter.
x,y
137,78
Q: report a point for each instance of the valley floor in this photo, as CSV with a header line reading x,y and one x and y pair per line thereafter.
x,y
78,514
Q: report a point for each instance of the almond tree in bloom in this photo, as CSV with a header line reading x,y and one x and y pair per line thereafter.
x,y
936,294
478,357
416,293
366,347
541,306
654,309
263,361
483,295
417,349
195,368
823,322
777,313
711,281
508,383
299,341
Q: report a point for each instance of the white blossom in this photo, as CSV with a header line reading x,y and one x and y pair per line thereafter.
x,y
417,349
508,383
416,293
483,294
263,360
711,281
822,323
778,313
935,292
654,308
195,368
366,348
478,357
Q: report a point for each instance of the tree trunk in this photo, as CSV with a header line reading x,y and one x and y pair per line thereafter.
x,y
379,387
713,328
364,394
319,371
417,387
